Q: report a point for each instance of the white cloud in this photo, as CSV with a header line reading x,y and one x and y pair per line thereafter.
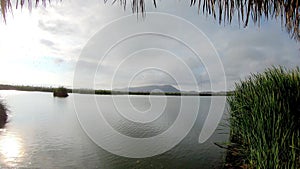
x,y
60,32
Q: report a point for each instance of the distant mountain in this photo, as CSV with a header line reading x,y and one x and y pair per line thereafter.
x,y
151,88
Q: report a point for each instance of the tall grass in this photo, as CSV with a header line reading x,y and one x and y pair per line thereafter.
x,y
265,119
3,114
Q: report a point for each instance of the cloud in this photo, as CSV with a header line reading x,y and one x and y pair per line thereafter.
x,y
253,51
62,31
58,27
47,42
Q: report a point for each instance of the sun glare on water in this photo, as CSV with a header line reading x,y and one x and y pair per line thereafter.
x,y
10,149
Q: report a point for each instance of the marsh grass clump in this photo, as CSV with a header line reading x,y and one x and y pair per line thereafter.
x,y
60,92
3,114
265,119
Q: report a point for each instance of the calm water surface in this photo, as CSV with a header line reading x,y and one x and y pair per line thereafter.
x,y
44,132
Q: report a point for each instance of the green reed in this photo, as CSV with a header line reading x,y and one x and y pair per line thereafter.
x,y
265,119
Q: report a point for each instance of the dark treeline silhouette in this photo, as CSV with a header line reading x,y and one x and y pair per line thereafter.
x,y
223,10
108,92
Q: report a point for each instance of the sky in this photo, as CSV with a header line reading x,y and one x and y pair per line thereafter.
x,y
66,44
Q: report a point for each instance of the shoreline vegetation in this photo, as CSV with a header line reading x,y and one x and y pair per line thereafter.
x,y
265,121
264,117
60,92
3,114
110,92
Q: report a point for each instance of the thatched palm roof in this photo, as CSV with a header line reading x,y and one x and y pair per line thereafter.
x,y
6,5
223,10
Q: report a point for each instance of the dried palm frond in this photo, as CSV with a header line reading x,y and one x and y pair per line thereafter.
x,y
6,5
287,10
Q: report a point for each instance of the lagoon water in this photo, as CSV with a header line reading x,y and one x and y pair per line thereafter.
x,y
44,132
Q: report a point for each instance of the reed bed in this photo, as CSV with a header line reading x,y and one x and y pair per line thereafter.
x,y
3,114
265,120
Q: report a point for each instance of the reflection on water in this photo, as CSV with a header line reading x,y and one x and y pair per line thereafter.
x,y
7,93
11,150
44,132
